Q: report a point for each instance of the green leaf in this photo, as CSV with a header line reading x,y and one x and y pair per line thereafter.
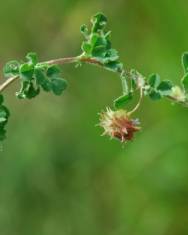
x,y
4,112
84,30
26,71
155,95
42,80
112,55
114,66
32,58
28,90
98,44
165,87
99,22
4,116
185,82
58,85
154,80
11,68
1,99
21,93
2,134
97,40
99,53
53,71
87,48
31,91
122,101
185,61
2,120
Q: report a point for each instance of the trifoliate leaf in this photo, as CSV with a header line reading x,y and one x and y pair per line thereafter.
x,y
122,101
11,68
98,44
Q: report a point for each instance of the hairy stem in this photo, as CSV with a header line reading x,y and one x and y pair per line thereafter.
x,y
60,61
82,58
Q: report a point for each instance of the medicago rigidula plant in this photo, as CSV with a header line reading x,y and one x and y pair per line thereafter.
x,y
35,76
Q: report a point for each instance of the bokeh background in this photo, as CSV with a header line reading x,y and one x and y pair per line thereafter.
x,y
57,175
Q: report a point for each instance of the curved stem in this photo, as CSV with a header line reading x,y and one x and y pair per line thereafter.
x,y
67,60
138,104
8,82
60,61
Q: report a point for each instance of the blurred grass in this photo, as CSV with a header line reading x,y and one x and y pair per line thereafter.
x,y
57,175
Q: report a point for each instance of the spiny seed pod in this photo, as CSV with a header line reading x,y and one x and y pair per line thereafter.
x,y
118,124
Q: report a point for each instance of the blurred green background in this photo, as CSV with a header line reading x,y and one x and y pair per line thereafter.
x,y
57,175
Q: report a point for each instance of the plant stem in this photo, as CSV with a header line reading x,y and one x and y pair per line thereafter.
x,y
138,104
61,61
82,58
174,100
10,80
